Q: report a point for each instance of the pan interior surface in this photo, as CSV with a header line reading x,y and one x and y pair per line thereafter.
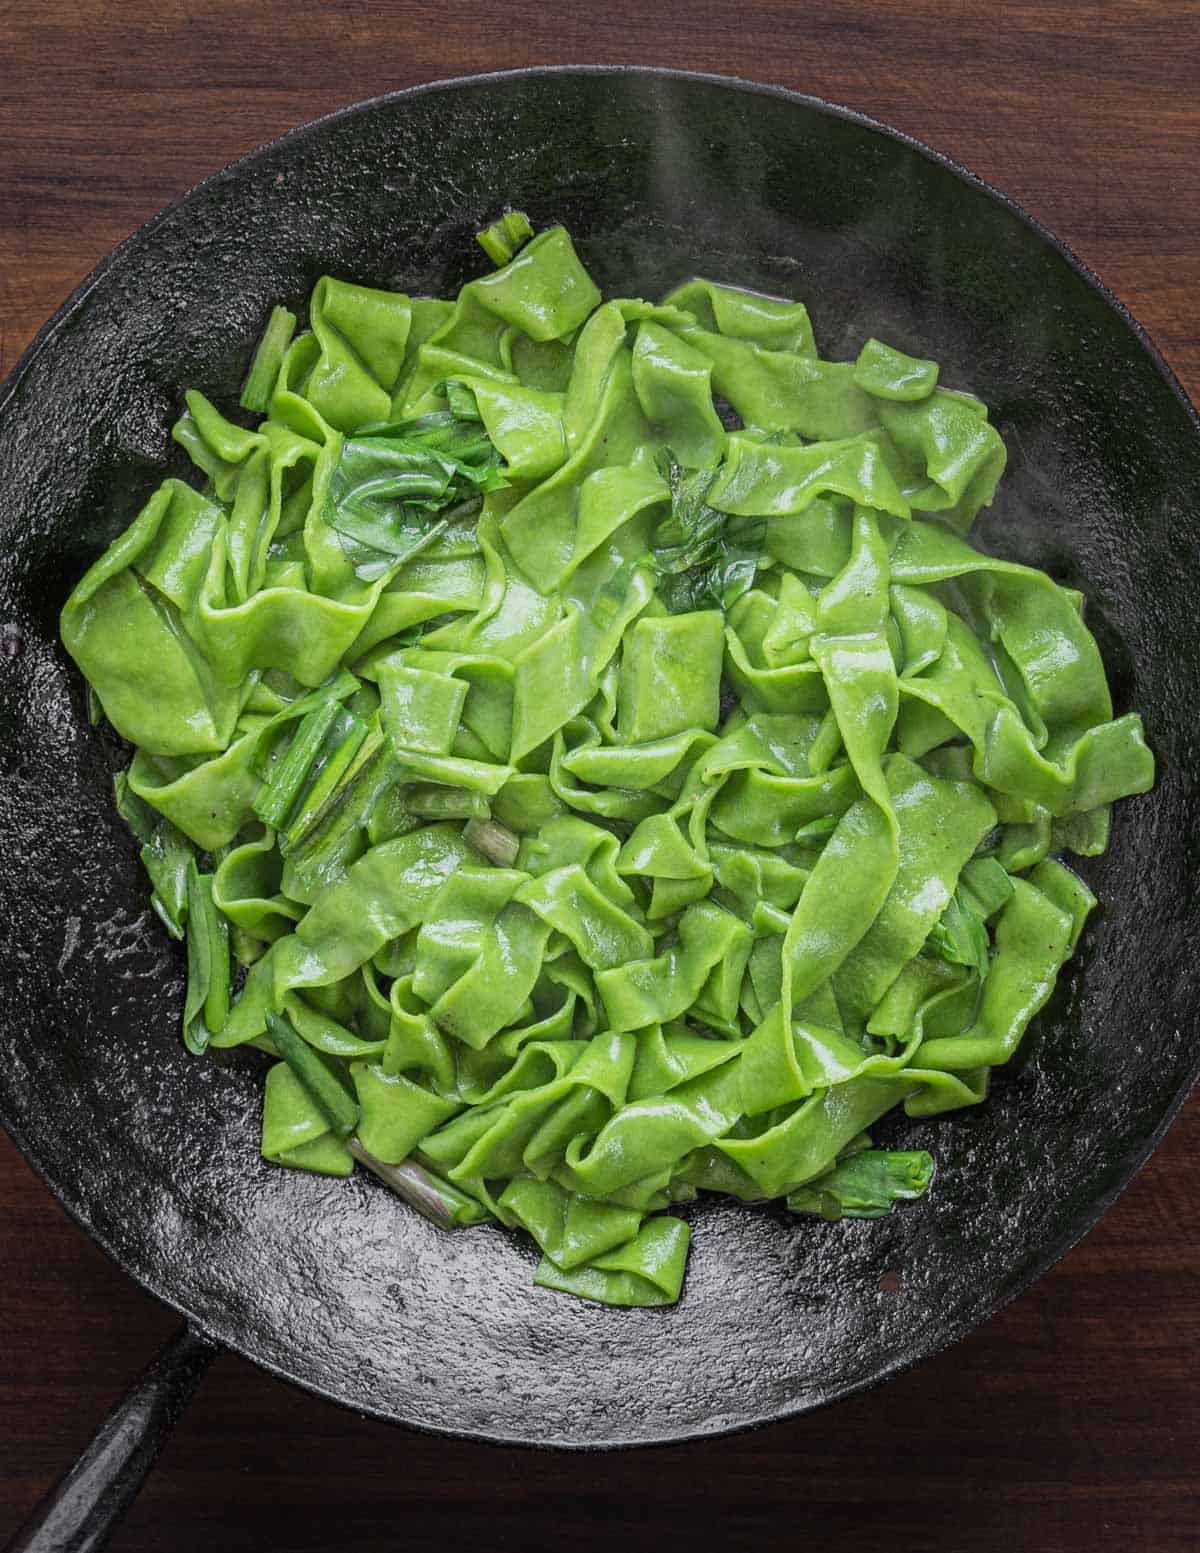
x,y
335,1284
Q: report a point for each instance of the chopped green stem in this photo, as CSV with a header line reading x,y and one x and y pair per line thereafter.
x,y
206,1007
340,688
268,358
313,824
216,1004
429,801
331,831
497,843
342,743
326,1092
867,1185
437,1200
276,797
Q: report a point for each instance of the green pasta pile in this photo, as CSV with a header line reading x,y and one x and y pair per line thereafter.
x,y
580,747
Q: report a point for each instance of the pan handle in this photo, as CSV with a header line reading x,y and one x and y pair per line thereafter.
x,y
80,1513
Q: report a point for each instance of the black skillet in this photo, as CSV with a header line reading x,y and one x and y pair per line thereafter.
x,y
336,1285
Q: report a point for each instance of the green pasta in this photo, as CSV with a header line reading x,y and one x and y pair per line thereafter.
x,y
582,750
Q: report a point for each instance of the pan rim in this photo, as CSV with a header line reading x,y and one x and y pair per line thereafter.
x,y
1047,1256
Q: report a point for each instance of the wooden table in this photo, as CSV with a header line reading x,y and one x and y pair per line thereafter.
x,y
1070,1421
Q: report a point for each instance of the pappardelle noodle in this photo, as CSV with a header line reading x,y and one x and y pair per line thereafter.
x,y
580,747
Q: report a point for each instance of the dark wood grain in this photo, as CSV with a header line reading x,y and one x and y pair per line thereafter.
x,y
1070,1421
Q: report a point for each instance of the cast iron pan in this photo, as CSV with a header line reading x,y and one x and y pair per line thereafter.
x,y
335,1285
